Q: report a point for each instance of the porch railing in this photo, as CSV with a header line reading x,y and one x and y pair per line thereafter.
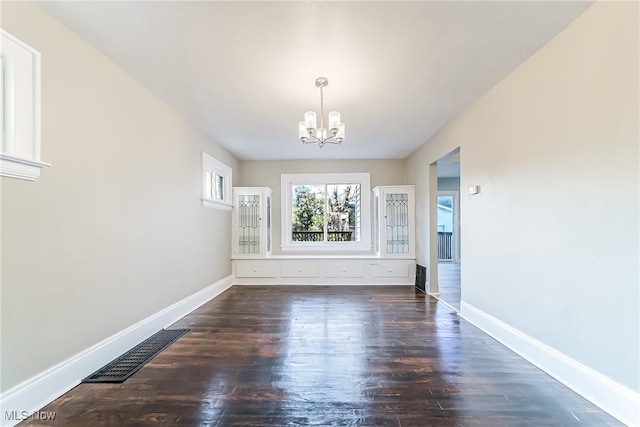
x,y
318,236
445,246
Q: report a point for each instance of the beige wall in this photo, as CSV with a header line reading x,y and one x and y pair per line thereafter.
x,y
114,231
267,174
550,245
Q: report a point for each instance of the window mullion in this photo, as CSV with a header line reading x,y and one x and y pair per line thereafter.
x,y
326,215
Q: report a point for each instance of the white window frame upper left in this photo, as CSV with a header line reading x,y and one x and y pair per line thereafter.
x,y
19,109
212,169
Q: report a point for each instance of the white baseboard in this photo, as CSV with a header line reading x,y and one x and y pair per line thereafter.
x,y
25,399
614,398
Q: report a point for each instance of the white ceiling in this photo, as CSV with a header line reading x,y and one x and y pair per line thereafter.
x,y
449,165
244,72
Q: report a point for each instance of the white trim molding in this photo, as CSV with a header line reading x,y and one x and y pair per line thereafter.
x,y
25,399
19,109
614,398
214,204
287,181
17,167
216,183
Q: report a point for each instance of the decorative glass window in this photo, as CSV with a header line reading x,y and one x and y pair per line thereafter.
x,y
216,183
249,224
326,212
397,212
19,109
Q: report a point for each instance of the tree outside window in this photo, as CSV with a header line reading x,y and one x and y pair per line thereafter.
x,y
325,213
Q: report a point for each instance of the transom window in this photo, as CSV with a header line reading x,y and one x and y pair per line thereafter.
x,y
326,212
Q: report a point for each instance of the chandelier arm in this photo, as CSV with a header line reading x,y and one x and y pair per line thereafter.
x,y
312,139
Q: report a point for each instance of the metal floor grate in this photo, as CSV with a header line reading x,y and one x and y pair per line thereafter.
x,y
127,364
421,278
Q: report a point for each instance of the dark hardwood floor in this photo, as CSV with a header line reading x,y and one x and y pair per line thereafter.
x,y
317,355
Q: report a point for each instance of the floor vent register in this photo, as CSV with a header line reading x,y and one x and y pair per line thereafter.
x,y
130,362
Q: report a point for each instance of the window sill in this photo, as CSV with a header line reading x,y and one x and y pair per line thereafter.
x,y
215,204
329,247
20,168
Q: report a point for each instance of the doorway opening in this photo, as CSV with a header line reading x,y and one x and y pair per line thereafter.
x,y
447,230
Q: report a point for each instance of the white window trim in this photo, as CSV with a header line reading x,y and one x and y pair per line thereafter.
x,y
20,125
210,168
288,180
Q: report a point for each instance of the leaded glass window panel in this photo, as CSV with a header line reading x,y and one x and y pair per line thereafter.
x,y
249,224
397,213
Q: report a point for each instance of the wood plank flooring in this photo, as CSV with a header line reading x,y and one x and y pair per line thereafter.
x,y
320,356
449,284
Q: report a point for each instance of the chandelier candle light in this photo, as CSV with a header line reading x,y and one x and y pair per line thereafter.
x,y
310,134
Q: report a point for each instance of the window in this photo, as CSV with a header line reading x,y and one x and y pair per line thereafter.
x,y
216,183
19,110
326,212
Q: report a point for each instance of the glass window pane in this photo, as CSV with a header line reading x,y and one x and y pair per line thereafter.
x,y
343,212
208,190
397,215
249,224
377,223
445,228
219,187
445,213
307,213
268,223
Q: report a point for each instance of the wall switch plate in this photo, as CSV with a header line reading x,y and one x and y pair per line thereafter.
x,y
474,189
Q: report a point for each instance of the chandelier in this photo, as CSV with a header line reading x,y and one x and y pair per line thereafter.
x,y
310,134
